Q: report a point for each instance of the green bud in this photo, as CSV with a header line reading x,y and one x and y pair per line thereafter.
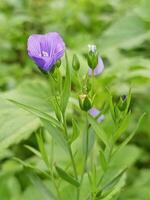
x,y
58,63
85,102
122,103
75,63
92,59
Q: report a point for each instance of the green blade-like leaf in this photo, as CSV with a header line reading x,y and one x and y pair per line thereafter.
x,y
122,126
67,177
47,120
67,87
128,102
56,134
103,161
42,149
15,124
33,150
75,132
46,193
36,112
28,165
118,184
130,136
99,131
114,181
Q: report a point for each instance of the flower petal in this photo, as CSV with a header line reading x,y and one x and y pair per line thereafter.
x,y
100,118
53,44
46,49
94,112
33,45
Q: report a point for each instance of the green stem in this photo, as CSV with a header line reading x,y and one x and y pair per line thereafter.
x,y
86,156
70,152
51,170
108,162
92,83
52,88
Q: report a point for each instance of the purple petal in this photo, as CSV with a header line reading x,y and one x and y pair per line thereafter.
x,y
99,68
46,49
44,63
33,45
101,118
94,112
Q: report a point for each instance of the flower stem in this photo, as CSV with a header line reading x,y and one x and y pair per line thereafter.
x,y
86,156
51,171
70,153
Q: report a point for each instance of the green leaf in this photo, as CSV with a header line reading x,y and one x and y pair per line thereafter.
x,y
56,133
103,161
111,106
67,87
122,126
47,120
15,124
46,193
67,177
88,141
125,32
75,132
28,165
128,102
118,183
99,131
125,142
56,107
36,112
113,182
42,148
33,150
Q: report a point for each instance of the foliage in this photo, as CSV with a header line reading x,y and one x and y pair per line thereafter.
x,y
121,31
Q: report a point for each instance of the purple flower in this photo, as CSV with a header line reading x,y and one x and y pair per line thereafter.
x,y
45,49
99,68
94,112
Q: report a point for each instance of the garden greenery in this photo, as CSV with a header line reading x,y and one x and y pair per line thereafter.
x,y
112,162
89,171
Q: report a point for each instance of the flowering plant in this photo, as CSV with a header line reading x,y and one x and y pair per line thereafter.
x,y
91,150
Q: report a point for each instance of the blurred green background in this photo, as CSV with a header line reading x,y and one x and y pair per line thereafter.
x,y
121,31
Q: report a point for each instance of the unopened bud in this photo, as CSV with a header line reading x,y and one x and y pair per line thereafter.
x,y
122,103
85,102
75,63
92,59
58,63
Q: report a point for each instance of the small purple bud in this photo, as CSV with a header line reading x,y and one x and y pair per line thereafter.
x,y
123,97
101,118
94,112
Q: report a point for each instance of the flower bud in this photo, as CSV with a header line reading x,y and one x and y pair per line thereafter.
x,y
122,103
92,57
58,63
85,102
75,63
